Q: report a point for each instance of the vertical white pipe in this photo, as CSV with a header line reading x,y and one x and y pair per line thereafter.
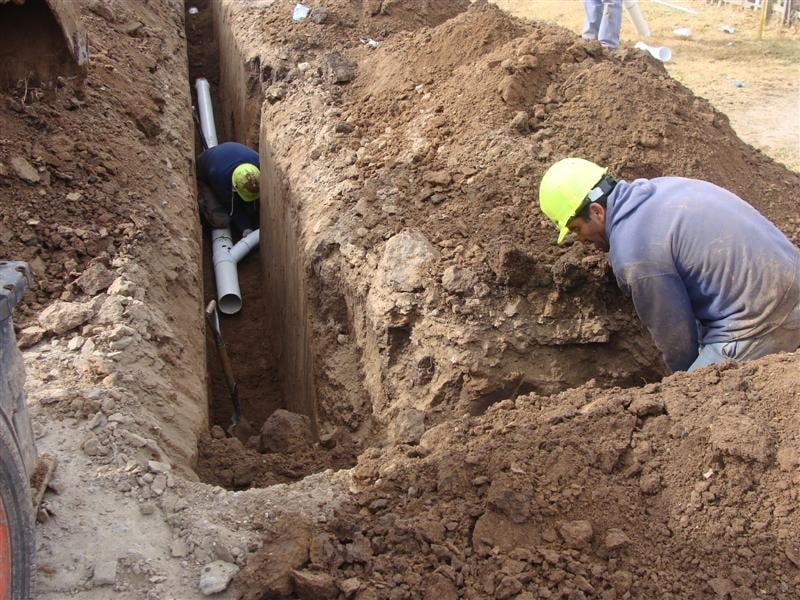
x,y
229,296
225,254
635,14
206,111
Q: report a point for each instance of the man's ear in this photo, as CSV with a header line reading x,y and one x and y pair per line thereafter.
x,y
597,210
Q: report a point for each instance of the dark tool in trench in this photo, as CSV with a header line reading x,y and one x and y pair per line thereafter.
x,y
240,427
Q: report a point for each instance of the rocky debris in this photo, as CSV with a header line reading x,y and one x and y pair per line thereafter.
x,y
95,279
25,170
216,576
310,585
285,431
61,317
30,336
457,280
286,550
576,534
341,69
318,15
406,258
616,539
407,427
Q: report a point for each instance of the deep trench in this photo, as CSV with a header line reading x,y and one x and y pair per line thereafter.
x,y
258,356
230,461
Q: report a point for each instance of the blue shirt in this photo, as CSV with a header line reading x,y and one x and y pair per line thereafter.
x,y
700,263
215,167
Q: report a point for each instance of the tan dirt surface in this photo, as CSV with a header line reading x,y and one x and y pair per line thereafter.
x,y
484,415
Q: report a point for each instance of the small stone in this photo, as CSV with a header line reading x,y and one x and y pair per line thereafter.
x,y
30,336
344,127
616,538
576,534
25,170
105,573
407,427
647,406
216,576
350,586
312,585
521,122
342,70
61,317
439,178
158,467
285,431
159,484
93,447
378,504
179,548
318,15
94,279
147,508
217,432
275,93
76,342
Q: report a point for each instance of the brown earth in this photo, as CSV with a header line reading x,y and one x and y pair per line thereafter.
x,y
408,298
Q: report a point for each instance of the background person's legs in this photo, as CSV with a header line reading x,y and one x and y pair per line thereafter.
x,y
611,23
593,10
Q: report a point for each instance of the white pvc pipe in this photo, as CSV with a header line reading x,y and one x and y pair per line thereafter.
x,y
206,111
691,11
244,245
229,296
635,14
661,53
224,253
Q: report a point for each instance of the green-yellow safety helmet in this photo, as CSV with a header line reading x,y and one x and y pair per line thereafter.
x,y
245,180
564,188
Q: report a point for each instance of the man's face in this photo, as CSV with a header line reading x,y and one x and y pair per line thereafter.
x,y
592,231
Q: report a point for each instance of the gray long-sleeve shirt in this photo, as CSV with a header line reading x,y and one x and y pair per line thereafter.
x,y
701,264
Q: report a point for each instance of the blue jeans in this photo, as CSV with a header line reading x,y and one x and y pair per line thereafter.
x,y
603,21
785,338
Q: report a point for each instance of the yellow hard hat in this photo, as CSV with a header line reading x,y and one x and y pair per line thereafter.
x,y
564,188
245,180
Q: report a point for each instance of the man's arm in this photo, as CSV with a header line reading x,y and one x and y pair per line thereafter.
x,y
663,305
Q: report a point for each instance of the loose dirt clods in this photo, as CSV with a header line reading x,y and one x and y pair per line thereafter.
x,y
466,409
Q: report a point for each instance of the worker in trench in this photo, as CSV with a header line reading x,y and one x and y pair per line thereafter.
x,y
710,277
228,178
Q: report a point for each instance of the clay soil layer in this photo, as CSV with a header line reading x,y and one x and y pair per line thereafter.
x,y
469,410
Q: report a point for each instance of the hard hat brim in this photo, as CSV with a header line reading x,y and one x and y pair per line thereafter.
x,y
247,196
563,233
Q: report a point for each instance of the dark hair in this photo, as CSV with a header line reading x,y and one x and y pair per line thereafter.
x,y
583,213
606,184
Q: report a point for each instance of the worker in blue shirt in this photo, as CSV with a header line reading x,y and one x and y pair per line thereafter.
x,y
710,277
228,186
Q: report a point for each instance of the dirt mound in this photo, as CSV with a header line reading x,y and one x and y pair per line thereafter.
x,y
683,488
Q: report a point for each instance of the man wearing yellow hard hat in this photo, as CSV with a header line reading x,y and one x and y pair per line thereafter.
x,y
710,277
228,186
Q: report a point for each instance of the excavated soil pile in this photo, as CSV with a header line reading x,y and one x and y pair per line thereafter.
x,y
685,488
681,488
